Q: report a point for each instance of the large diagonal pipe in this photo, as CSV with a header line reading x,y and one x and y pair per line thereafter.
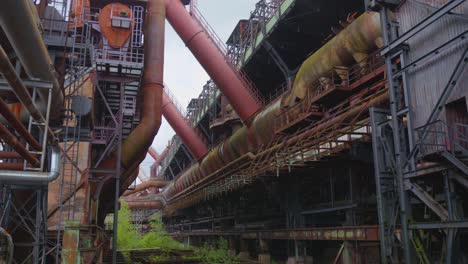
x,y
20,22
186,133
153,153
212,60
361,35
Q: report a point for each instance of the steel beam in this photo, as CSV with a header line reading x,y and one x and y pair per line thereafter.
x,y
354,233
422,25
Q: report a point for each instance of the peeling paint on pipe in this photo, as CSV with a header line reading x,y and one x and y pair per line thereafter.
x,y
351,45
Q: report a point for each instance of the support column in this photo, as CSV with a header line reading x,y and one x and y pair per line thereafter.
x,y
71,242
264,257
244,253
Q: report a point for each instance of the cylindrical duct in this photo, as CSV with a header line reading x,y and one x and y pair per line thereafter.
x,y
212,60
20,22
182,129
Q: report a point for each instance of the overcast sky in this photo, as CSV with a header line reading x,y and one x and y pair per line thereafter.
x,y
182,73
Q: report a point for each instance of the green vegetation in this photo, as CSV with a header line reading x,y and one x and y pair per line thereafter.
x,y
129,238
217,253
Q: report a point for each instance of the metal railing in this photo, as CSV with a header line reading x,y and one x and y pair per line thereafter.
x,y
247,83
124,56
439,137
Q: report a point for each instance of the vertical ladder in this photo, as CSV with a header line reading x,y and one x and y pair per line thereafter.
x,y
76,76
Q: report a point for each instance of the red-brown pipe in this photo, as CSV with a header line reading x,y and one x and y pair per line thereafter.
x,y
18,126
140,139
188,135
153,153
163,155
11,166
9,155
11,140
136,205
212,60
153,75
146,185
13,79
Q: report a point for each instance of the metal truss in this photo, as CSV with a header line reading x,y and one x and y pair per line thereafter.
x,y
399,157
26,217
346,123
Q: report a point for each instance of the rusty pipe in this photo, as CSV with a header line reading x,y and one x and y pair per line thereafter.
x,y
187,133
142,136
163,155
21,23
361,36
153,153
18,126
11,166
146,185
148,205
212,60
13,142
135,147
13,79
352,44
9,155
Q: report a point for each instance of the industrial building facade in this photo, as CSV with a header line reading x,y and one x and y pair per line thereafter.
x,y
330,131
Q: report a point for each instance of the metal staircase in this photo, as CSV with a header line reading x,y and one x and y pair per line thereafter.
x,y
445,143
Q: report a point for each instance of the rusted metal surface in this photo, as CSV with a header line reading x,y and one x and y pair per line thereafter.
x,y
71,243
116,36
142,136
191,139
11,166
18,126
10,75
152,183
13,142
9,155
342,233
332,133
26,39
212,60
153,153
135,147
352,44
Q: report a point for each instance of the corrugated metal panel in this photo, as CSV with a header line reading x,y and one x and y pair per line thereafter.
x,y
426,81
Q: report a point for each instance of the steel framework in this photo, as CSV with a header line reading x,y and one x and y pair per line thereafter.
x,y
400,151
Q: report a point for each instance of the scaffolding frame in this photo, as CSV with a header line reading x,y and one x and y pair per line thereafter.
x,y
397,153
